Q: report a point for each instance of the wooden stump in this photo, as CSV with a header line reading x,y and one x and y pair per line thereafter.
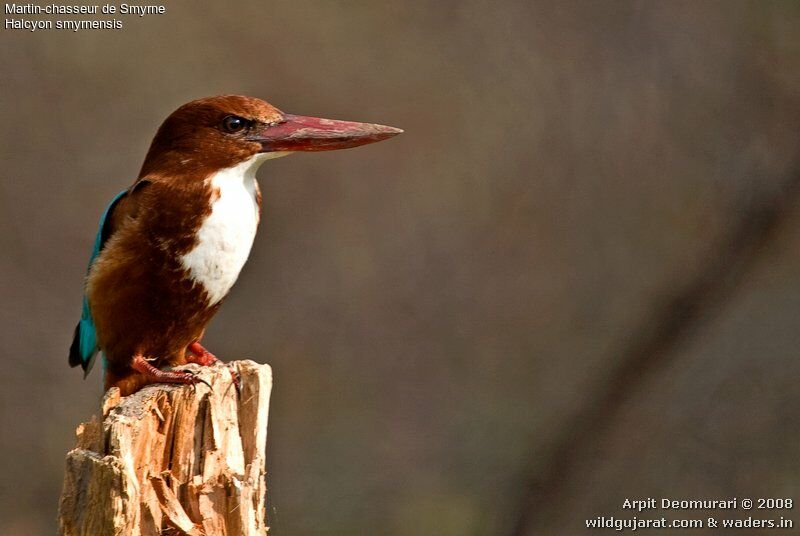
x,y
173,460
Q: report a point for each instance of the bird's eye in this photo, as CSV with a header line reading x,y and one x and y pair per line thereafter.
x,y
233,124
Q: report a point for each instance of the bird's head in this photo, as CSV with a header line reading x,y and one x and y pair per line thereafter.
x,y
221,132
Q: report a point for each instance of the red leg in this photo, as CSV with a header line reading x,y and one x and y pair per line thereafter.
x,y
200,355
156,375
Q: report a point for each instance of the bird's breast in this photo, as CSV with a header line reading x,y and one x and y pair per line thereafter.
x,y
226,235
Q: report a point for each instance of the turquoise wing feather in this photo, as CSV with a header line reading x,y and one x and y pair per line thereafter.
x,y
84,343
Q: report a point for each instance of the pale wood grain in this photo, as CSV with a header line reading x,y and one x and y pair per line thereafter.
x,y
173,460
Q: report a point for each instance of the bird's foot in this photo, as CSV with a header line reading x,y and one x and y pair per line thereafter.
x,y
198,354
156,375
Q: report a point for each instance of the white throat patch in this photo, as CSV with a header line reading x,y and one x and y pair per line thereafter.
x,y
226,235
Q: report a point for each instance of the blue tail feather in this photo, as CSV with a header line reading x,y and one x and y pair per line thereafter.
x,y
84,347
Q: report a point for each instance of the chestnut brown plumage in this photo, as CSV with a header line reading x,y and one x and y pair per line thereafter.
x,y
167,252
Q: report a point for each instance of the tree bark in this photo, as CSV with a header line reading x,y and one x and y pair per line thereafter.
x,y
173,460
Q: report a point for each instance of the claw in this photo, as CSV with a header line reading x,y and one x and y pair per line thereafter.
x,y
199,355
236,377
194,378
155,375
198,379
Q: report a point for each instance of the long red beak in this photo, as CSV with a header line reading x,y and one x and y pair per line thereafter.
x,y
300,133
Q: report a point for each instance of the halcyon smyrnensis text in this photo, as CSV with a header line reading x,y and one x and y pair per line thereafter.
x,y
170,247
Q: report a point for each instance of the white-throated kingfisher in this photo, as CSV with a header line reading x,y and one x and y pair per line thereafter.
x,y
171,246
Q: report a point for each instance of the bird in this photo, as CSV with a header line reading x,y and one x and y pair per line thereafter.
x,y
171,245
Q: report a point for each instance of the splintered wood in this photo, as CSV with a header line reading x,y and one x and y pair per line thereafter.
x,y
173,460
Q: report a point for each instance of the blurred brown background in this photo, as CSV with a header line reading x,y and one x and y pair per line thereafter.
x,y
574,279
